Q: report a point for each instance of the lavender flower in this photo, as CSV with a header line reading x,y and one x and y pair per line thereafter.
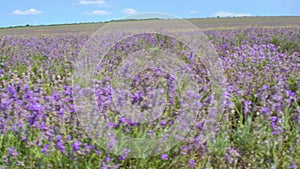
x,y
124,154
12,152
76,145
60,144
247,106
192,163
45,148
293,165
276,129
164,156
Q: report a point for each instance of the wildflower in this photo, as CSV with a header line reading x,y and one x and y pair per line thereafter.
x,y
107,159
12,152
76,145
59,144
277,130
45,148
192,163
163,123
184,150
68,137
228,158
265,110
12,91
124,154
293,165
190,56
137,98
247,106
164,156
61,112
87,148
233,151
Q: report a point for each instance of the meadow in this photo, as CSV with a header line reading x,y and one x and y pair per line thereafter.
x,y
259,127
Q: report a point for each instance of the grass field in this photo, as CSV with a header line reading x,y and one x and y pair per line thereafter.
x,y
203,23
259,126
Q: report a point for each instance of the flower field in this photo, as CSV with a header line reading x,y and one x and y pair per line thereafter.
x,y
259,127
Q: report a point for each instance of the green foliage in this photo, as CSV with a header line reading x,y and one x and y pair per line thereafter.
x,y
285,44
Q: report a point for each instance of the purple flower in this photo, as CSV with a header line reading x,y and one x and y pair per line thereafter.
x,y
293,165
2,106
107,159
228,158
49,133
277,97
68,137
2,124
59,144
291,94
183,150
45,148
68,90
192,163
124,154
23,138
11,90
271,46
265,110
12,152
264,88
164,156
98,152
76,145
200,125
104,167
137,97
247,106
277,106
110,124
191,56
87,147
276,130
123,120
56,96
163,123
61,112
59,137
233,151
35,107
137,79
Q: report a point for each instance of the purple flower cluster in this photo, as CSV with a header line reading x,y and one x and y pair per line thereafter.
x,y
36,92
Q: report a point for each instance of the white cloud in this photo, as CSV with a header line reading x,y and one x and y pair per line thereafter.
x,y
98,12
193,12
129,11
92,2
230,14
27,12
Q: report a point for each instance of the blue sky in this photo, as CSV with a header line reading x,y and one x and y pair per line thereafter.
x,y
36,12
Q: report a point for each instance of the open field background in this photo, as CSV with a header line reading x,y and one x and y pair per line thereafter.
x,y
203,23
